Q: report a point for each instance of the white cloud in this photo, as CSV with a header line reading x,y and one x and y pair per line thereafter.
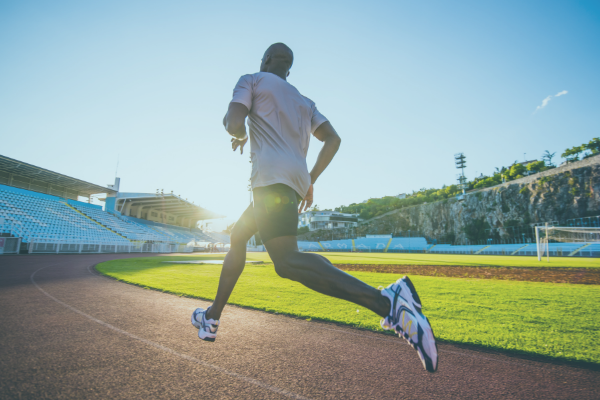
x,y
547,99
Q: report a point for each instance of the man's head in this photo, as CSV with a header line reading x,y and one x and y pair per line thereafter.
x,y
278,59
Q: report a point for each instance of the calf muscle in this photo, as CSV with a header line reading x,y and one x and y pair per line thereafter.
x,y
317,273
233,266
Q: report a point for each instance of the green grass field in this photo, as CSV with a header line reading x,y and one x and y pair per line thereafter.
x,y
436,259
555,320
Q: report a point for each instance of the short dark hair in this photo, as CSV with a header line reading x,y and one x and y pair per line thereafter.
x,y
281,54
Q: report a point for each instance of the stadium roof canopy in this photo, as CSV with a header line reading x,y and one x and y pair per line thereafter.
x,y
27,176
136,204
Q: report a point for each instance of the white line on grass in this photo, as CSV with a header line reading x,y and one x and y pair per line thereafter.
x,y
168,350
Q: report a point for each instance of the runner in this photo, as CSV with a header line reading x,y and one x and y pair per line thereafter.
x,y
281,121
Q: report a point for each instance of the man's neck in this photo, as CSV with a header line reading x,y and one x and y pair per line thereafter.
x,y
279,73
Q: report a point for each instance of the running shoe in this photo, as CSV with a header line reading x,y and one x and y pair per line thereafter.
x,y
207,328
409,322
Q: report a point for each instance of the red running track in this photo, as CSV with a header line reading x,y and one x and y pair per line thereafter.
x,y
67,332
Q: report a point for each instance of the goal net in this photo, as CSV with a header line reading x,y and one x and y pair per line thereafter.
x,y
561,241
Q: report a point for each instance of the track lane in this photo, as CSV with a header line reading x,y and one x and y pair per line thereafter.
x,y
53,351
166,349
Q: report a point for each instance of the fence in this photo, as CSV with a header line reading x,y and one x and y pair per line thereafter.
x,y
526,233
585,222
9,245
87,248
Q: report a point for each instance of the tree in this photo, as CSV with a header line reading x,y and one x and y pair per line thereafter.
x,y
572,154
547,156
536,166
487,182
593,146
517,171
302,230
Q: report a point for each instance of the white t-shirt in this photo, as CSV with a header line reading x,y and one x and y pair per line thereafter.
x,y
281,121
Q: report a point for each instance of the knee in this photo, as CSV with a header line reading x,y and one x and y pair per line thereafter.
x,y
238,239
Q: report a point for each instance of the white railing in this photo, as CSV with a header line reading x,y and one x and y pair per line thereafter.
x,y
10,245
91,248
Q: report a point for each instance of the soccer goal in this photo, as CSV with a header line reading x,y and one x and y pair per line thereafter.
x,y
561,241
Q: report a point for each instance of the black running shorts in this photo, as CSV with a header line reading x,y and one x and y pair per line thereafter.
x,y
274,212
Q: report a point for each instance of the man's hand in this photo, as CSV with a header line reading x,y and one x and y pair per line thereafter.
x,y
307,201
235,143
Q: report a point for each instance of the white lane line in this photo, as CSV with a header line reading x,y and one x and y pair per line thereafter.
x,y
168,350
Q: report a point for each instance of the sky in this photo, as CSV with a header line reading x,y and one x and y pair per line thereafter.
x,y
87,86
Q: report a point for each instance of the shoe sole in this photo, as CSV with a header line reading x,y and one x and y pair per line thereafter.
x,y
205,338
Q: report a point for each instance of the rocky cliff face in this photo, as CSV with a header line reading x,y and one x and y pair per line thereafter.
x,y
571,191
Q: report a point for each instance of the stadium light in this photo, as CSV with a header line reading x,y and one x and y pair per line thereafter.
x,y
460,160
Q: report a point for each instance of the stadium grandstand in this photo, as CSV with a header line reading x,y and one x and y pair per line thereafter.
x,y
41,212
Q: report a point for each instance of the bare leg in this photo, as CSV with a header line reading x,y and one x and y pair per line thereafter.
x,y
234,264
318,274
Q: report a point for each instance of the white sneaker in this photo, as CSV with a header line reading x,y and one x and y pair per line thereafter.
x,y
207,328
408,321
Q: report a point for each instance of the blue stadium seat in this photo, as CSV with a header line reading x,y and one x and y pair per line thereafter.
x,y
338,245
179,234
309,246
123,227
372,244
43,218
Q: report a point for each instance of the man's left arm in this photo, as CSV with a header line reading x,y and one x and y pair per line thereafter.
x,y
331,143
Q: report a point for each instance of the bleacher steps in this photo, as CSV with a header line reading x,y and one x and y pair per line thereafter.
x,y
429,249
92,219
321,246
519,249
578,249
480,250
353,245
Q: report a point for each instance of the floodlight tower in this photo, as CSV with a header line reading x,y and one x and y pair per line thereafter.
x,y
460,160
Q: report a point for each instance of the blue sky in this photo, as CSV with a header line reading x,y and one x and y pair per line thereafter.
x,y
405,84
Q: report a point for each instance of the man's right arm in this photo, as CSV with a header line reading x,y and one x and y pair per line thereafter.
x,y
235,124
235,120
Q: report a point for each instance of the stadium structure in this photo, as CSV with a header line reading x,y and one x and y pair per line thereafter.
x,y
40,212
587,247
